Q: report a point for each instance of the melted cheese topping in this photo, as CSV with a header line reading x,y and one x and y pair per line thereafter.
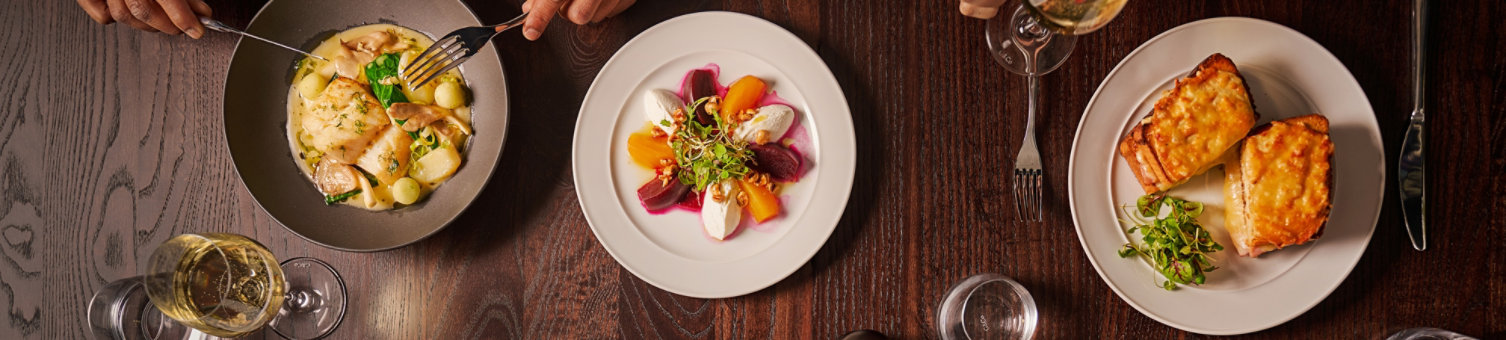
x,y
1280,191
1196,122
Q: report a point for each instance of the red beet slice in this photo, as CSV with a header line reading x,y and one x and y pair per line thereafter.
x,y
692,201
781,163
656,195
702,84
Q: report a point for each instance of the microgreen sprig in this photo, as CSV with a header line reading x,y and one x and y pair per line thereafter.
x,y
707,153
1176,245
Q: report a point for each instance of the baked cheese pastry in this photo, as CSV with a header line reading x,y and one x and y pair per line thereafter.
x,y
1278,185
1191,126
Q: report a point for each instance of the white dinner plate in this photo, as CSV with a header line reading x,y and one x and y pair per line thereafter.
x,y
671,250
1288,75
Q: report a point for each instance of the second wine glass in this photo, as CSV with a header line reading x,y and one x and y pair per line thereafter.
x,y
228,285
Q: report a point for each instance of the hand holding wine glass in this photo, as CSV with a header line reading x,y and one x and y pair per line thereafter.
x,y
981,9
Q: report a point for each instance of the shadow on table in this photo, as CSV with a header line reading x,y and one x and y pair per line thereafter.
x,y
542,109
870,171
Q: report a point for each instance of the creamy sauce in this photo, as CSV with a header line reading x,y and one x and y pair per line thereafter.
x,y
379,196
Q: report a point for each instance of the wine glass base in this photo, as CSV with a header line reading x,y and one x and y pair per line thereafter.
x,y
315,302
1023,46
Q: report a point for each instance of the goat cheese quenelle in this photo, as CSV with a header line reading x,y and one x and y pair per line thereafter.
x,y
360,134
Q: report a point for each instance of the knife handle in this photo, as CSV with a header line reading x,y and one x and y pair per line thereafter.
x,y
1419,60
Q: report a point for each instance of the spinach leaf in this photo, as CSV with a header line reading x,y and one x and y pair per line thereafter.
x,y
382,73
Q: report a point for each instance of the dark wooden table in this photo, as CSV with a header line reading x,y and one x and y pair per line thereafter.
x,y
111,142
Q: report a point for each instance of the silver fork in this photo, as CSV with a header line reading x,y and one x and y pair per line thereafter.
x,y
448,52
1027,166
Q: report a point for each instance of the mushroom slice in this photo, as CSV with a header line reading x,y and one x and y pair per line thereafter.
x,y
414,117
334,178
371,43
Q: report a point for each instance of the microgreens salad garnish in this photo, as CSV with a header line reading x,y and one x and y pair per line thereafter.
x,y
1177,244
709,153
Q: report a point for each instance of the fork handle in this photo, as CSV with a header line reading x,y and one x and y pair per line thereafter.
x,y
515,22
1033,83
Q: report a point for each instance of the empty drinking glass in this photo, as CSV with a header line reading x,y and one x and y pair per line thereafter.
x,y
987,306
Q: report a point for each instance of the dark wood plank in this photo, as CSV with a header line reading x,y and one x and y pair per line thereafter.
x,y
110,143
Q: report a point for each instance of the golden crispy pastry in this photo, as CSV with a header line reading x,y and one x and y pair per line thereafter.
x,y
1191,126
1278,185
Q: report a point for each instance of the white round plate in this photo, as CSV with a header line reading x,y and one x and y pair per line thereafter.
x,y
671,250
1288,75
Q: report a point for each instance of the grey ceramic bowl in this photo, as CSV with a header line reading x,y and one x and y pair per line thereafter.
x,y
256,117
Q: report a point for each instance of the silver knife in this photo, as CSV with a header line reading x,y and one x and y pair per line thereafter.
x,y
1412,162
222,27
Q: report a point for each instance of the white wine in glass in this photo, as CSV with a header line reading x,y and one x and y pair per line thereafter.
x,y
222,284
1075,17
228,285
1039,36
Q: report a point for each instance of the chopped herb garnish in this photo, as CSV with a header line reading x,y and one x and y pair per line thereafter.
x,y
423,143
1176,245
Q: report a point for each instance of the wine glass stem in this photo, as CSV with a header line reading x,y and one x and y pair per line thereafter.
x,y
1031,29
299,300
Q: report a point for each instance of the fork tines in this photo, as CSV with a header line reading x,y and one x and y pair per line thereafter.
x,y
442,56
1027,194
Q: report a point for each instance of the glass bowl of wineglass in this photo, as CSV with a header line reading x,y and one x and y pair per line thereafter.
x,y
1039,36
227,285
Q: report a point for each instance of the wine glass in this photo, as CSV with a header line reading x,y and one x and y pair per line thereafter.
x,y
228,285
987,306
1039,36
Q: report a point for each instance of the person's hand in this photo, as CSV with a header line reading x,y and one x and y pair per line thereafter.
x,y
580,12
981,9
166,16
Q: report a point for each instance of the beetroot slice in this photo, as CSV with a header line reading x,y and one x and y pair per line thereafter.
x,y
781,163
692,201
702,84
656,195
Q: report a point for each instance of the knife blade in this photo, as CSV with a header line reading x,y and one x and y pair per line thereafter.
x,y
1411,164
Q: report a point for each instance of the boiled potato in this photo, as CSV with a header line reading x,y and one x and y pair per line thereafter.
x,y
436,166
421,95
406,58
405,190
449,95
311,85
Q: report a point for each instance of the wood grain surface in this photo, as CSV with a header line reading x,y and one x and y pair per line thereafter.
x,y
111,142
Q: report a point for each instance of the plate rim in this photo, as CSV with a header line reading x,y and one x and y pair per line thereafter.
x,y
832,161
1078,142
